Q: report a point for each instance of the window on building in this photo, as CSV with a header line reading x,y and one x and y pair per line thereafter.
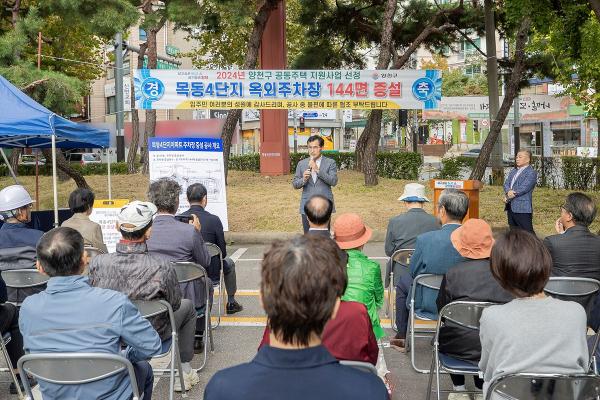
x,y
111,105
143,35
471,70
467,48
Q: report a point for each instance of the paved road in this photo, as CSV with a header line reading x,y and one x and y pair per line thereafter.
x,y
237,338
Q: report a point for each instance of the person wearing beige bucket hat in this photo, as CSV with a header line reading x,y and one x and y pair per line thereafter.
x,y
469,280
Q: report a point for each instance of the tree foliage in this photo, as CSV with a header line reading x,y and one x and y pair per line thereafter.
x,y
225,27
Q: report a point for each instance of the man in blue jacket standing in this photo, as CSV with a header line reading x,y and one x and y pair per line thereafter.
x,y
518,189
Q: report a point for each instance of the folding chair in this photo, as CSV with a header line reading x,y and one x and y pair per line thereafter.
x,y
579,290
151,308
187,272
593,367
23,279
430,281
399,262
526,386
213,251
360,365
10,368
464,314
74,369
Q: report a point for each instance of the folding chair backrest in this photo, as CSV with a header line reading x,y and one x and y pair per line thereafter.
x,y
92,251
402,256
152,308
429,281
545,387
571,287
76,368
213,250
24,278
360,365
188,271
464,313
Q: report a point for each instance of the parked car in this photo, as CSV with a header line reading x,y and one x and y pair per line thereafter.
x,y
472,153
29,159
83,158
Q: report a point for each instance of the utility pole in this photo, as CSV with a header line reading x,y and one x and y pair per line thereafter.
x,y
492,78
119,97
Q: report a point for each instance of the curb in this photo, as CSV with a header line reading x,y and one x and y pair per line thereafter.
x,y
268,237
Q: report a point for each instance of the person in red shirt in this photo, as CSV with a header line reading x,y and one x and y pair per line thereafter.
x,y
349,336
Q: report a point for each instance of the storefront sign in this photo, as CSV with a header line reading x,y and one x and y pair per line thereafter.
x,y
288,89
188,161
250,114
477,107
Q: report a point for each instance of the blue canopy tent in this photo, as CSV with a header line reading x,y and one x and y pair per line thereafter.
x,y
26,123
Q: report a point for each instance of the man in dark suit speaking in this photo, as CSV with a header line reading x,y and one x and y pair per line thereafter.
x,y
314,175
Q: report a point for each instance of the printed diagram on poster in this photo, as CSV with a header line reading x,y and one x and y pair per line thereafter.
x,y
189,161
105,214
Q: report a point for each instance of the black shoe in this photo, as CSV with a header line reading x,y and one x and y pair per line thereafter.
x,y
234,307
198,345
13,388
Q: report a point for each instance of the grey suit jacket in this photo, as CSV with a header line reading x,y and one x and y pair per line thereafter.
x,y
326,178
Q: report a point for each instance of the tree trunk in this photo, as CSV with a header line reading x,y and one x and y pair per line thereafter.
x,y
63,165
14,159
135,121
595,4
366,147
150,126
260,21
511,92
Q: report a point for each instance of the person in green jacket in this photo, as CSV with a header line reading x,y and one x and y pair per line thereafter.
x,y
364,276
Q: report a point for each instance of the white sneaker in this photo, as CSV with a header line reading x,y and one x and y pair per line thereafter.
x,y
190,379
459,396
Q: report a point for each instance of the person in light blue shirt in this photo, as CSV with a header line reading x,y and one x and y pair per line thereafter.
x,y
72,316
434,254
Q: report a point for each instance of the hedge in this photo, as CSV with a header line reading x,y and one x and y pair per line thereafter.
x,y
389,165
573,173
88,169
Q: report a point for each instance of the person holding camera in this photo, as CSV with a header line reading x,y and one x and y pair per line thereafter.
x,y
316,174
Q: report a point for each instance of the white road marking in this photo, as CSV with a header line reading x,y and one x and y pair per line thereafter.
x,y
238,253
260,259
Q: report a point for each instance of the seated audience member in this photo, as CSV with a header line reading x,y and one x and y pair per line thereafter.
x,y
434,254
141,276
403,229
81,203
300,291
17,240
575,251
470,280
318,210
9,322
212,232
348,336
533,333
71,316
364,276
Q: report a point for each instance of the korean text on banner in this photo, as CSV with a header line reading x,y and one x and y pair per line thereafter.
x,y
189,161
105,214
285,89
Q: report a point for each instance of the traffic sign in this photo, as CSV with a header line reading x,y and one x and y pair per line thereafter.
x,y
310,114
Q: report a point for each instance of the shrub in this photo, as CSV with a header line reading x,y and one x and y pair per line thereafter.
x,y
88,169
389,165
452,167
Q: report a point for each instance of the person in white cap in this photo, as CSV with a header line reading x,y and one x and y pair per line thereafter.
x,y
17,240
403,229
142,276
